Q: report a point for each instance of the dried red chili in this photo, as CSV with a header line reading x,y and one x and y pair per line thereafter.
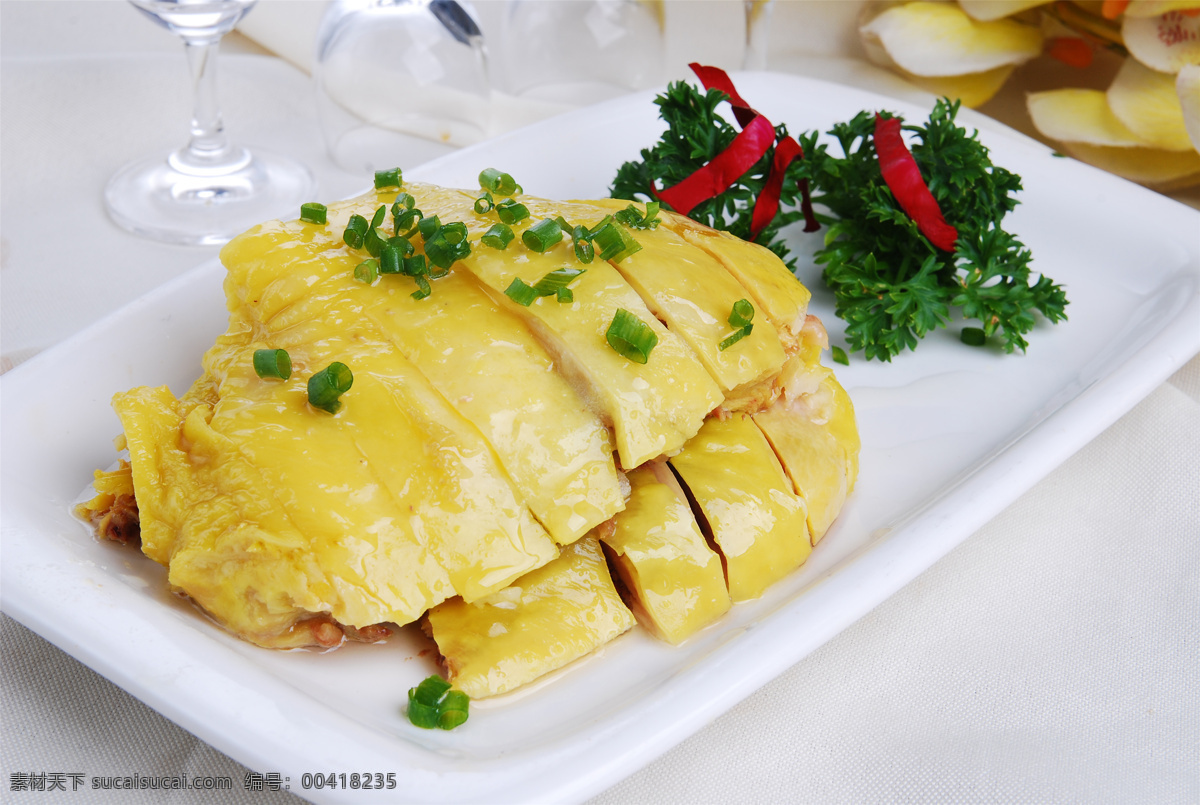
x,y
903,178
1070,50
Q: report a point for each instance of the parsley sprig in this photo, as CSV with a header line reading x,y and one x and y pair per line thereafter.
x,y
695,134
891,285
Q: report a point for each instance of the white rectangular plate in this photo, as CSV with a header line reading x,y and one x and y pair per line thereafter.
x,y
951,435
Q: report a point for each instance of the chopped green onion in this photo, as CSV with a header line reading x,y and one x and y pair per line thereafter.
x,y
585,252
443,249
973,337
374,240
562,223
498,237
367,271
631,337
484,203
498,182
356,230
415,266
273,363
512,212
839,355
423,289
542,235
556,280
391,259
520,292
404,201
327,385
631,217
455,232
314,213
565,295
429,226
737,335
388,178
742,314
406,222
614,241
433,704
377,218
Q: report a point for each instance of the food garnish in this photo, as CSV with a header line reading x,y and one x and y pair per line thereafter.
x,y
913,234
313,213
434,704
273,363
326,387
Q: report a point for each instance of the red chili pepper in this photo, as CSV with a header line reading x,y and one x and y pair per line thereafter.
x,y
725,168
903,178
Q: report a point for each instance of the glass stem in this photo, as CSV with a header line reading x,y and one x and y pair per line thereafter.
x,y
208,150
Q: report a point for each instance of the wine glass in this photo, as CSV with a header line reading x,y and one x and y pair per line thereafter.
x,y
209,190
576,53
400,81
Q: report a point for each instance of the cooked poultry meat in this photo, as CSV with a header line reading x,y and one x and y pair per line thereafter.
x,y
488,447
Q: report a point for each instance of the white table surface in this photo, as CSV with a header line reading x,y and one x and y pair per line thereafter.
x,y
1054,655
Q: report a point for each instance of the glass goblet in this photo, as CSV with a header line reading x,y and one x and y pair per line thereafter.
x,y
209,190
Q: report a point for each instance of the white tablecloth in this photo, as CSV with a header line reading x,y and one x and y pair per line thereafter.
x,y
1055,655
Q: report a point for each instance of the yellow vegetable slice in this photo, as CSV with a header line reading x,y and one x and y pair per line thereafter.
x,y
1147,103
973,89
549,618
1079,116
752,513
940,39
1162,170
675,579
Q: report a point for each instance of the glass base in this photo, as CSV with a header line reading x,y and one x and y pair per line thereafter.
x,y
152,199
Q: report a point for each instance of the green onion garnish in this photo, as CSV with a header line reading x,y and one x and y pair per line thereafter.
x,y
512,212
272,363
404,201
556,280
542,235
484,204
742,313
327,385
423,289
406,221
389,178
498,237
377,218
455,232
498,182
630,216
391,259
367,271
433,704
839,355
614,241
631,337
429,225
731,339
415,266
973,336
374,240
314,213
565,295
356,230
520,292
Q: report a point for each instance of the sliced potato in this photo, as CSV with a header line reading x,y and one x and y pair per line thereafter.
x,y
1146,102
939,39
973,89
1079,116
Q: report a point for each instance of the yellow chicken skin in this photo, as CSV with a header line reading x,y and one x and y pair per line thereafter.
x,y
675,579
755,518
549,618
485,444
